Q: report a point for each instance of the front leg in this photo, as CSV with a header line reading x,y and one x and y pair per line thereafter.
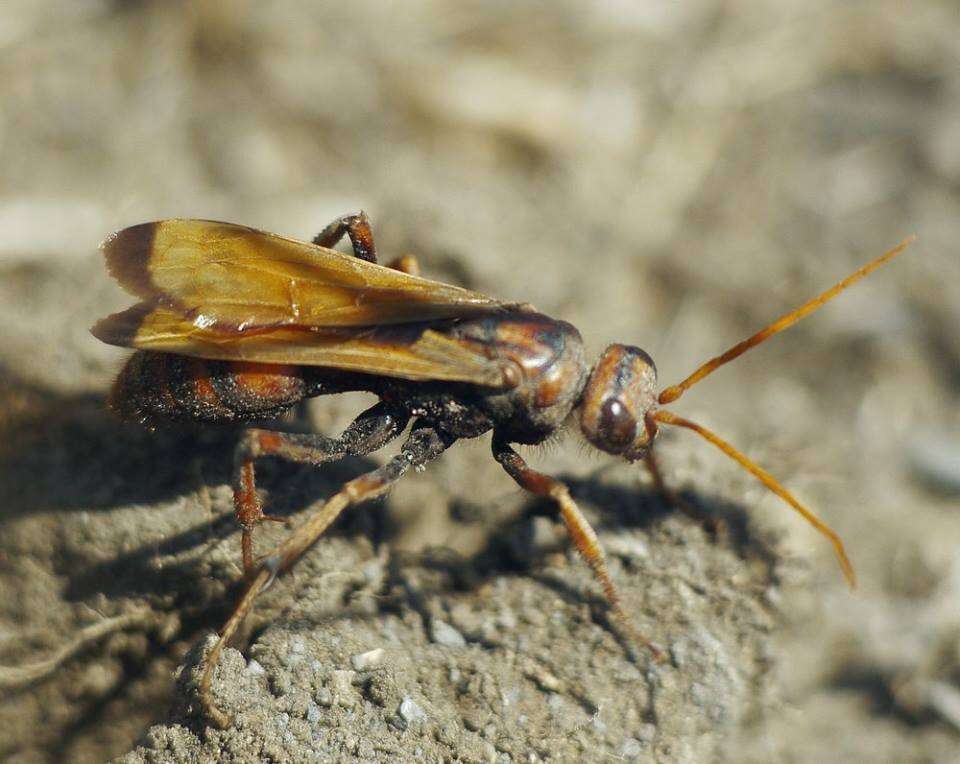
x,y
369,432
578,528
712,525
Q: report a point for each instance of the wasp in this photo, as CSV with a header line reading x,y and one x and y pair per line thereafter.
x,y
235,324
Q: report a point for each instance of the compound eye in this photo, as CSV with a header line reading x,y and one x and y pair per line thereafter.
x,y
618,427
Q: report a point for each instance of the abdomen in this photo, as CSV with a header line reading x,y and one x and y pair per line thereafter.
x,y
161,386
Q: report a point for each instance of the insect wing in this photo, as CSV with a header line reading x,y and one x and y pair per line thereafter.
x,y
413,351
231,276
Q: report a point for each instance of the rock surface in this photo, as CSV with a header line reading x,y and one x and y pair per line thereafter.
x,y
672,175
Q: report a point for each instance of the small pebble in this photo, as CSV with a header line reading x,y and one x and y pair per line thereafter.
x,y
630,547
410,711
556,705
368,660
545,680
443,633
342,688
254,668
296,653
372,570
678,653
631,748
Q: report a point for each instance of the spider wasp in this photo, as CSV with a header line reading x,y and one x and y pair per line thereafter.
x,y
235,324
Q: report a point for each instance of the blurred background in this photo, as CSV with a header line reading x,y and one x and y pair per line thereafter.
x,y
671,175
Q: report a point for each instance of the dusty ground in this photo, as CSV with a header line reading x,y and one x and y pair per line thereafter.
x,y
671,175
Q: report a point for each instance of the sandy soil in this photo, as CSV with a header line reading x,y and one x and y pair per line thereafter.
x,y
669,175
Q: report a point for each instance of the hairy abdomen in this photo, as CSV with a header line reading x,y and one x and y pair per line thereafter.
x,y
161,386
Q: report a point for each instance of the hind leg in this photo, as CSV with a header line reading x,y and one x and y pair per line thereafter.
x,y
369,432
423,445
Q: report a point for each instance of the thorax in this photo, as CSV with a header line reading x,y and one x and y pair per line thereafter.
x,y
549,359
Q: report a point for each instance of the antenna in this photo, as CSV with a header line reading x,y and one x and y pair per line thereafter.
x,y
668,417
670,394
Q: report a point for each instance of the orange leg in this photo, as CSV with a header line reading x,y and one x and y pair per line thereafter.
x,y
580,531
405,264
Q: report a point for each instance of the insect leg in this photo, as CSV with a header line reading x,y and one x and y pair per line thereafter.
x,y
712,525
580,531
405,264
422,446
357,227
369,432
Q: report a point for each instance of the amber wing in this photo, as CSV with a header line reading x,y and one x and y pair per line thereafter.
x,y
228,292
232,276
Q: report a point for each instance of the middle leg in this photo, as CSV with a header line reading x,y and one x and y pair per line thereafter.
x,y
369,432
357,228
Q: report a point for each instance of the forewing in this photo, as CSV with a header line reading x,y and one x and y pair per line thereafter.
x,y
231,276
414,352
